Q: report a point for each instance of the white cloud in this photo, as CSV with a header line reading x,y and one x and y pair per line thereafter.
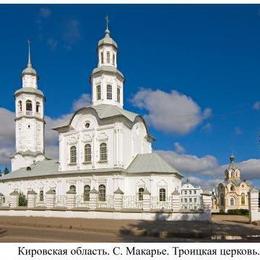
x,y
72,33
170,112
187,163
83,101
206,169
256,105
179,148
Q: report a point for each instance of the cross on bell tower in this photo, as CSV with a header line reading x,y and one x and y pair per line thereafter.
x,y
106,80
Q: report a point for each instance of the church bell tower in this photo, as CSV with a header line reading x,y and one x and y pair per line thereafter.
x,y
106,80
29,119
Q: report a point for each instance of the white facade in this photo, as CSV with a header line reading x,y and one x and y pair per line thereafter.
x,y
191,197
105,151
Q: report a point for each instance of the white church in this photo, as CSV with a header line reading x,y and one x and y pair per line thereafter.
x,y
105,152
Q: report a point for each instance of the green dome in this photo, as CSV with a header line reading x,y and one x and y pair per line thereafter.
x,y
29,71
107,40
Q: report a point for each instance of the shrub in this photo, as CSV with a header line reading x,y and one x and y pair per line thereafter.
x,y
244,212
22,200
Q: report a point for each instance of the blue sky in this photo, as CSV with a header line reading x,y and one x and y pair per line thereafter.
x,y
204,57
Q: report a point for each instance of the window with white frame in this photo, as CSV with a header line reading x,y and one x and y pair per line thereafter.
x,y
162,194
102,192
141,194
86,195
20,105
87,153
28,105
73,188
118,94
103,152
37,107
102,57
73,154
98,88
109,92
41,195
108,57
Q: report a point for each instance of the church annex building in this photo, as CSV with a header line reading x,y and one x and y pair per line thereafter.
x,y
106,166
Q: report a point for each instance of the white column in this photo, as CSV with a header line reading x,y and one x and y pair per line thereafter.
x,y
31,195
146,200
93,195
118,199
71,199
14,199
254,213
176,201
50,199
206,202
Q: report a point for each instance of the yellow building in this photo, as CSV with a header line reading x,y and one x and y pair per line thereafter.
x,y
233,193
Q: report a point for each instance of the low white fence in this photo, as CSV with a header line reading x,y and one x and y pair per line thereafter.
x,y
254,205
110,206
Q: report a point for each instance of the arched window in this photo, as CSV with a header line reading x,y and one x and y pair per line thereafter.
x,y
243,199
114,59
232,188
108,57
162,194
118,95
37,107
102,192
232,202
41,195
20,105
86,193
73,154
87,153
141,194
98,92
222,200
73,188
102,57
103,152
28,105
109,92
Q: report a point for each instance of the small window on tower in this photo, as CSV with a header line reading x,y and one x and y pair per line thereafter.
x,y
114,59
20,106
109,92
108,57
37,107
118,95
102,57
98,92
28,105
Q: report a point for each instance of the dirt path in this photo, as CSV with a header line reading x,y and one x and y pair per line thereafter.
x,y
36,229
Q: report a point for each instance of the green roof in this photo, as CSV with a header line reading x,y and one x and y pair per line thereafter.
x,y
103,111
107,40
150,163
143,163
29,91
50,168
106,111
106,68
